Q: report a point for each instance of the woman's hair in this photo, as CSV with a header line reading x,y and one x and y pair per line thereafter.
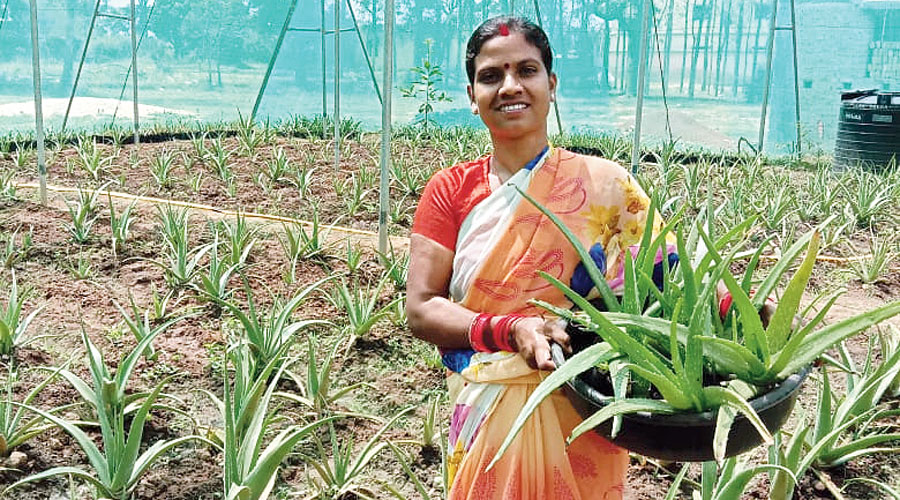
x,y
503,25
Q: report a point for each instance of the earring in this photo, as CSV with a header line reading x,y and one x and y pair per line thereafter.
x,y
552,97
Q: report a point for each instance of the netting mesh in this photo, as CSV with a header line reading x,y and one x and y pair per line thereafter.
x,y
205,61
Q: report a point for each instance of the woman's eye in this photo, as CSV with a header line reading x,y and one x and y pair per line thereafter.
x,y
528,70
488,77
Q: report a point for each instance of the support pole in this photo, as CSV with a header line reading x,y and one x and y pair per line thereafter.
x,y
84,50
324,89
796,74
362,44
765,104
337,86
642,76
38,103
134,79
537,12
384,186
265,82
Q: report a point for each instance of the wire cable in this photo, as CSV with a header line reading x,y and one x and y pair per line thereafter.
x,y
130,65
662,77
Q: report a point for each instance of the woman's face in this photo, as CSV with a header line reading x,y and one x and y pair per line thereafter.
x,y
512,90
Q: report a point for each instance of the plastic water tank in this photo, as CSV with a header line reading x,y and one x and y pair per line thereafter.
x,y
868,130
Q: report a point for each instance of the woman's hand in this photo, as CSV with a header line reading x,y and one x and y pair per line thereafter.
x,y
532,338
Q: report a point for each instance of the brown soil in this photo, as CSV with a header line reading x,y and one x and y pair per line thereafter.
x,y
388,357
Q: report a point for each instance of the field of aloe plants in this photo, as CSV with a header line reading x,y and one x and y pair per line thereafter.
x,y
206,316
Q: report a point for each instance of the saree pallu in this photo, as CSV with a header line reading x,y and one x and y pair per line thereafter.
x,y
502,245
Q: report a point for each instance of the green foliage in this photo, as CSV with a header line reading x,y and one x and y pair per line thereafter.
x,y
116,470
11,250
424,86
15,429
12,324
360,305
120,224
240,237
161,167
90,158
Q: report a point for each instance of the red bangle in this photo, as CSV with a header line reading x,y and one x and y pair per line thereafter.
x,y
503,336
725,303
477,335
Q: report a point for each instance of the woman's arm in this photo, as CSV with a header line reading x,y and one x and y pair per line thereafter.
x,y
434,318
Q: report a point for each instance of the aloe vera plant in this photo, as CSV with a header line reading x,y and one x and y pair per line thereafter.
x,y
116,469
670,343
269,333
15,429
12,324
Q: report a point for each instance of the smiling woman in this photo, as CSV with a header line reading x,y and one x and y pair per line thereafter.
x,y
476,254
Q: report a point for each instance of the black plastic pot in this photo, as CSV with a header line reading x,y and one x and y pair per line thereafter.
x,y
681,437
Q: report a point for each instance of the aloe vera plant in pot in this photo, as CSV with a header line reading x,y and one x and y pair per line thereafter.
x,y
668,356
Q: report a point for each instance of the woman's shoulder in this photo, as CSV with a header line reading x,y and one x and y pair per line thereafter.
x,y
598,165
463,173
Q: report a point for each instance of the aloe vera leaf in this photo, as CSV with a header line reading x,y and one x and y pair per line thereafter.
x,y
719,243
669,387
621,407
645,248
754,333
631,301
722,395
621,377
123,474
819,341
574,366
725,419
732,357
765,289
620,340
782,321
674,347
787,352
672,493
823,408
687,273
747,281
735,486
612,304
863,446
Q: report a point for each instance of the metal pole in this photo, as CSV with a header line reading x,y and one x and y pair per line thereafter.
x,y
642,75
38,102
796,75
265,82
362,44
6,6
769,51
337,85
537,12
134,78
384,186
87,42
324,89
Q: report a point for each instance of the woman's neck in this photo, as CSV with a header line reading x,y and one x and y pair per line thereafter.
x,y
510,156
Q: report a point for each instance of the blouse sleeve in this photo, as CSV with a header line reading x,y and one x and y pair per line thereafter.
x,y
435,217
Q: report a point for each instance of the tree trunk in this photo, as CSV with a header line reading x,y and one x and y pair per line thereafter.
x,y
695,53
722,51
687,15
707,44
667,50
738,41
604,50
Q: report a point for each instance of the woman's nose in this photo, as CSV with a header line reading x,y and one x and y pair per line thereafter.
x,y
511,84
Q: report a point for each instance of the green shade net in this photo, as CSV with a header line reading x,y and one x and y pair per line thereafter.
x,y
204,61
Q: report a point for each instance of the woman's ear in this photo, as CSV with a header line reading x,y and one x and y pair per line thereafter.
x,y
472,104
553,82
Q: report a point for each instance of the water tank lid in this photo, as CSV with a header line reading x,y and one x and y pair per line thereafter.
x,y
871,96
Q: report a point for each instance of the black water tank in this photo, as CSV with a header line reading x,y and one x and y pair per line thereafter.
x,y
869,129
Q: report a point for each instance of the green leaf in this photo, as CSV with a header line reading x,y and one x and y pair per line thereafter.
x,y
820,341
620,407
577,364
782,321
733,358
718,396
612,304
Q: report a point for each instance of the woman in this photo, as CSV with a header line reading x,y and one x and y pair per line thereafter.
x,y
476,250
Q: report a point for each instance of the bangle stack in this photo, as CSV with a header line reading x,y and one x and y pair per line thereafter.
x,y
483,337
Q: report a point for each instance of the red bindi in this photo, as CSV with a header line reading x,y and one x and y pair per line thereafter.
x,y
504,30
506,66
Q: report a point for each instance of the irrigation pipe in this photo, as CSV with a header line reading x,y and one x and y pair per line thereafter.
x,y
397,241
